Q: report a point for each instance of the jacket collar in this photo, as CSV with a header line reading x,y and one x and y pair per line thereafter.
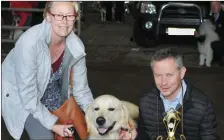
x,y
187,95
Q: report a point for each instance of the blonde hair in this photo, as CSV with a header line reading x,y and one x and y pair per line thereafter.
x,y
49,4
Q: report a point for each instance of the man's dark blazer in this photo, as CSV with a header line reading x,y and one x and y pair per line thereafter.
x,y
219,24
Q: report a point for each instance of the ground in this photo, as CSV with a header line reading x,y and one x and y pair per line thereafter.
x,y
119,67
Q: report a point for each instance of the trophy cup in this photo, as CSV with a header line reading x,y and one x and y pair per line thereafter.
x,y
171,121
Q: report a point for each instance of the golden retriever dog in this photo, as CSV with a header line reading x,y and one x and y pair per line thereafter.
x,y
107,115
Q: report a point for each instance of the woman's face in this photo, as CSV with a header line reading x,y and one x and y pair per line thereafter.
x,y
62,17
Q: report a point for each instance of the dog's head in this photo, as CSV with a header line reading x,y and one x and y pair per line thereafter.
x,y
206,28
106,115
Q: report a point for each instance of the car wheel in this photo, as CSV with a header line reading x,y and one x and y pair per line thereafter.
x,y
141,39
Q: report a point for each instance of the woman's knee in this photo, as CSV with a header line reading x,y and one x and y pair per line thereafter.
x,y
36,130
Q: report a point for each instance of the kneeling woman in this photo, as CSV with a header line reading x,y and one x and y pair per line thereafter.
x,y
35,74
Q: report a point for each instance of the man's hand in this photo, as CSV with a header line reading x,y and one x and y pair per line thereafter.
x,y
62,130
127,135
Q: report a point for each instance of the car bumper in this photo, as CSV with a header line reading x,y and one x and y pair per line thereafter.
x,y
165,23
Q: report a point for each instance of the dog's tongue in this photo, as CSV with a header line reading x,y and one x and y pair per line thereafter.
x,y
102,130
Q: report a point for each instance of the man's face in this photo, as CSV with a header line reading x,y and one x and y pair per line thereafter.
x,y
215,7
168,77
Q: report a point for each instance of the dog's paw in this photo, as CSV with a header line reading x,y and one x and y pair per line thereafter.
x,y
201,63
208,65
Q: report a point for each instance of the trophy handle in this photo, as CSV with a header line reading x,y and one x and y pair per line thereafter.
x,y
182,137
159,138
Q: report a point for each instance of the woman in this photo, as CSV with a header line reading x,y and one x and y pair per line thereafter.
x,y
35,74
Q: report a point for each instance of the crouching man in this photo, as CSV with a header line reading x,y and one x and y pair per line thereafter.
x,y
173,92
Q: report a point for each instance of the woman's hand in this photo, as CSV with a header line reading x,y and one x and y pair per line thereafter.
x,y
128,135
62,130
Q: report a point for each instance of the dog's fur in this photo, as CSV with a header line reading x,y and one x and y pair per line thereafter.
x,y
115,113
206,29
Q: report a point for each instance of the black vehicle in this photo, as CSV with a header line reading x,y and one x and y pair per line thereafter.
x,y
161,18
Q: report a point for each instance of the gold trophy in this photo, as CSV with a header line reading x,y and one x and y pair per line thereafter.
x,y
171,121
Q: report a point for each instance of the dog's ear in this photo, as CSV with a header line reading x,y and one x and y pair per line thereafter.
x,y
125,114
132,123
88,117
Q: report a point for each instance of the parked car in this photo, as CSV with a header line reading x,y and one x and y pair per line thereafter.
x,y
161,18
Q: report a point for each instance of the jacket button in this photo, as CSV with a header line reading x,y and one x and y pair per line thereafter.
x,y
7,95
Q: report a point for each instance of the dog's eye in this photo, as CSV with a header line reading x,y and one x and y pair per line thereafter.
x,y
111,109
96,109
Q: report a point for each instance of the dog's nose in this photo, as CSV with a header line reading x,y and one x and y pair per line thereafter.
x,y
100,120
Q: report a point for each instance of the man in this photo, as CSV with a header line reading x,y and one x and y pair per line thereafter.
x,y
217,17
119,11
108,5
199,121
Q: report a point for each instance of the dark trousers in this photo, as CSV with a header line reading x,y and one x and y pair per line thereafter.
x,y
108,5
218,51
119,10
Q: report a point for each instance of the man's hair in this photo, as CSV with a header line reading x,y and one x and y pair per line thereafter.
x,y
165,53
220,2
